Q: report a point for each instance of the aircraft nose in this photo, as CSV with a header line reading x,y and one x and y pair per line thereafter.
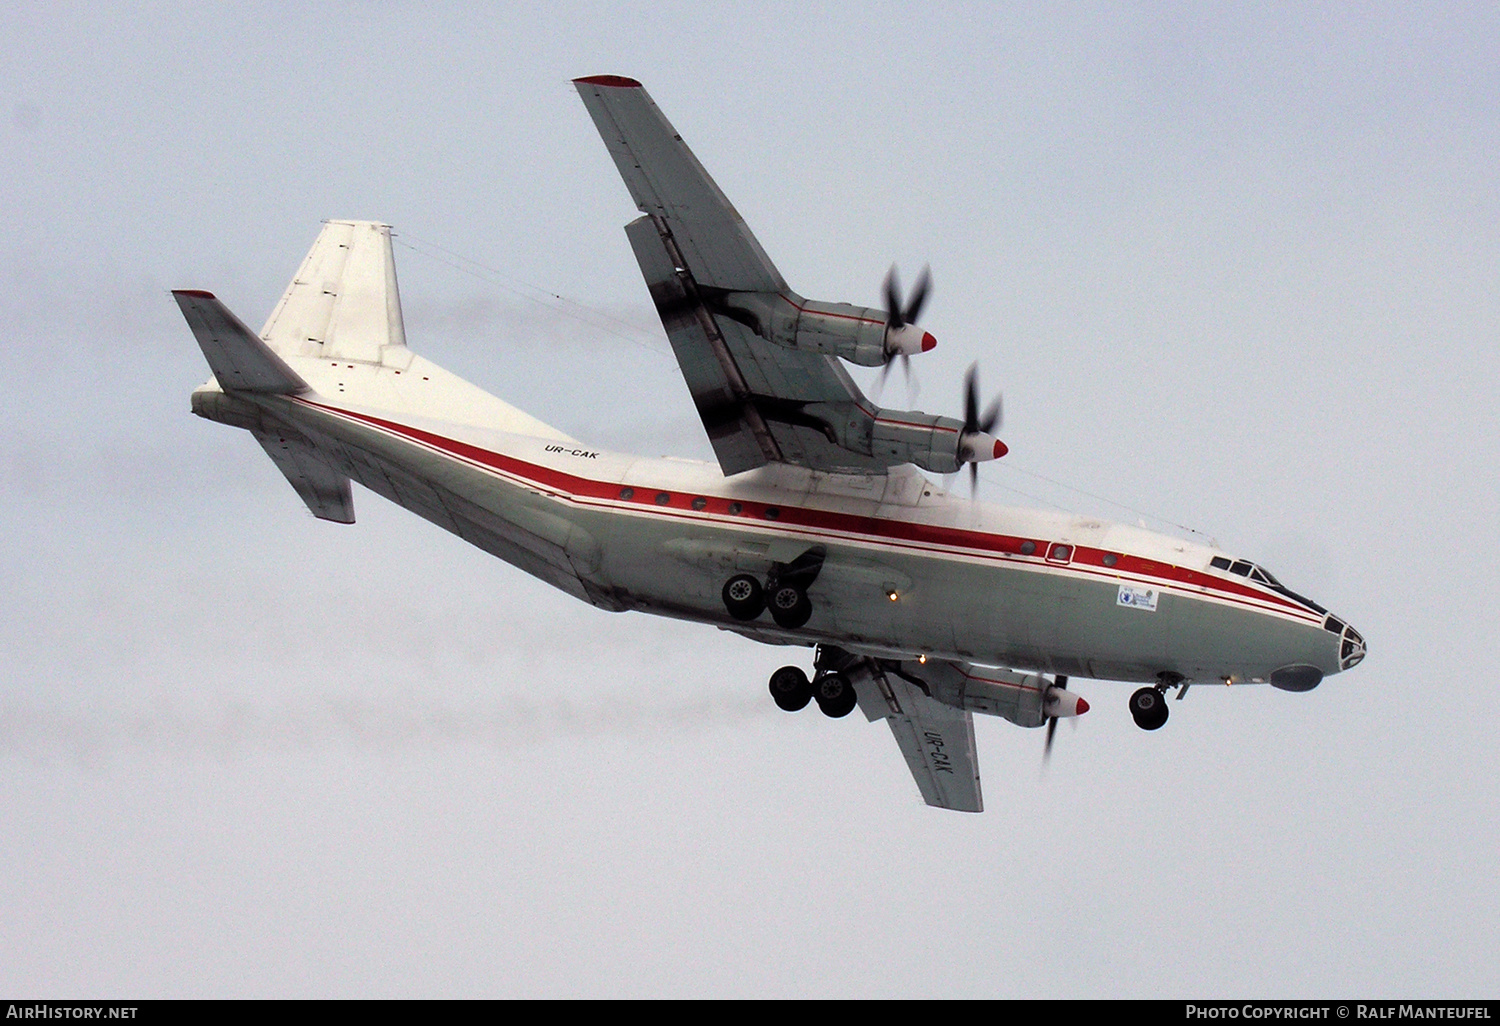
x,y
1351,648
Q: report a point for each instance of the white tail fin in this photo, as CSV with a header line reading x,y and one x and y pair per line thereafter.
x,y
343,304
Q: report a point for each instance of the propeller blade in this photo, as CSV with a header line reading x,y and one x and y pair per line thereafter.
x,y
991,419
893,299
971,399
1062,684
918,296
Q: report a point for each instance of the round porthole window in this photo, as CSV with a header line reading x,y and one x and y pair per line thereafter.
x,y
1028,547
627,493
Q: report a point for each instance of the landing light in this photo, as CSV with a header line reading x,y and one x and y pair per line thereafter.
x,y
891,594
922,658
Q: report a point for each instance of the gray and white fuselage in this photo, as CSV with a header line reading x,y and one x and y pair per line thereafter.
x,y
908,570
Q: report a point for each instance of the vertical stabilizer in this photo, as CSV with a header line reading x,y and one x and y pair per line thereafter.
x,y
343,304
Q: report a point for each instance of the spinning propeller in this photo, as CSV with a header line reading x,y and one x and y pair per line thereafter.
x,y
902,336
1059,702
977,443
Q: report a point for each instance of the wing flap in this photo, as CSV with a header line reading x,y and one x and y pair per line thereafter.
x,y
239,359
739,436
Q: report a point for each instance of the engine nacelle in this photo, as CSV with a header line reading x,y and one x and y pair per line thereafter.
x,y
934,443
858,334
1026,699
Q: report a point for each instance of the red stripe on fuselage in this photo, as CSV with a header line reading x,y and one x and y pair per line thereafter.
x,y
824,523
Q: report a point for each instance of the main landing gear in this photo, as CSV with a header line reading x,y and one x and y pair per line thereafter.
x,y
745,598
831,689
784,593
1148,706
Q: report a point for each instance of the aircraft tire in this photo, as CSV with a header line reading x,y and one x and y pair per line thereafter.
x,y
790,606
790,689
835,695
1148,707
744,597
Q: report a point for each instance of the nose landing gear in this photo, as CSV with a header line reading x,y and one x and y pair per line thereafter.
x,y
1148,706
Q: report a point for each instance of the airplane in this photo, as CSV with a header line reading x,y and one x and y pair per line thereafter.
x,y
816,528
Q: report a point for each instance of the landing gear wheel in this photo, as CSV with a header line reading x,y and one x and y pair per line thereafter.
x,y
1148,707
790,607
790,688
744,597
835,695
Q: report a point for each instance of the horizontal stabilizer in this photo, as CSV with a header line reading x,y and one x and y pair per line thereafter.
x,y
325,491
240,360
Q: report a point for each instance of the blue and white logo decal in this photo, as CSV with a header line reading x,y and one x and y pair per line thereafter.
x,y
1138,598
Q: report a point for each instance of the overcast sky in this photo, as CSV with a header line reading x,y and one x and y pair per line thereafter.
x,y
1235,272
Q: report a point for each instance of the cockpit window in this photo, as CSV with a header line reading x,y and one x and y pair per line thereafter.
x,y
1270,578
1241,567
1333,625
1219,563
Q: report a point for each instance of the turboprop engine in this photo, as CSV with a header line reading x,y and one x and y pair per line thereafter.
x,y
939,444
1025,699
860,334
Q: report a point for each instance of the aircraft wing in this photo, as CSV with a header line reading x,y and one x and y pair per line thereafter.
x,y
937,740
759,402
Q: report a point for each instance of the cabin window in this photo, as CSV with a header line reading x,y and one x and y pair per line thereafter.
x,y
662,498
772,512
735,509
1028,547
700,502
627,493
1060,552
1110,559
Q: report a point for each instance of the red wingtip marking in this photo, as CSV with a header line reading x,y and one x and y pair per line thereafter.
x,y
194,292
618,81
1000,448
1083,707
928,342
